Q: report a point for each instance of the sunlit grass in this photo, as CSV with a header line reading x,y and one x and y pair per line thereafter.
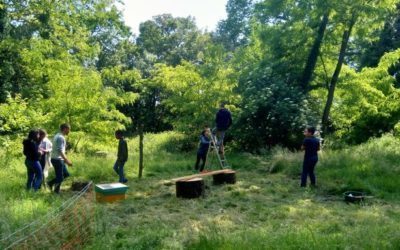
x,y
265,209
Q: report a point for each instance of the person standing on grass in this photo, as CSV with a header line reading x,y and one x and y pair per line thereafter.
x,y
223,121
59,158
122,156
311,146
45,147
33,154
203,149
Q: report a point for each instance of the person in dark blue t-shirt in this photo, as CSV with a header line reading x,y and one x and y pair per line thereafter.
x,y
223,121
203,149
311,146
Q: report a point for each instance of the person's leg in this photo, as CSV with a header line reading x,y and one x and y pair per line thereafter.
x,y
121,173
43,164
203,163
31,174
58,169
37,181
221,137
196,166
304,174
116,168
65,171
311,172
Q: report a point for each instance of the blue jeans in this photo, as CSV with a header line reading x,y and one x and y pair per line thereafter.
x,y
119,169
61,174
35,174
308,170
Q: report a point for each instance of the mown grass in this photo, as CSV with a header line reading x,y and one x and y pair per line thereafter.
x,y
266,209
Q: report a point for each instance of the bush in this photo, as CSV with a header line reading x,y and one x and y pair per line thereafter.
x,y
273,113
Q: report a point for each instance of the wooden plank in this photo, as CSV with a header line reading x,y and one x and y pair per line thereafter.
x,y
202,175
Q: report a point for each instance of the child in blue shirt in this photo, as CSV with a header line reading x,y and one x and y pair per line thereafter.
x,y
203,149
311,146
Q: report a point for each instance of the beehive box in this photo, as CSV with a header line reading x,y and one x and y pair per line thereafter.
x,y
110,192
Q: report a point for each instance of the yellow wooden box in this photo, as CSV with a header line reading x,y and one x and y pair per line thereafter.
x,y
110,192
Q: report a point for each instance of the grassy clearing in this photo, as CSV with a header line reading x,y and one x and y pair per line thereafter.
x,y
266,209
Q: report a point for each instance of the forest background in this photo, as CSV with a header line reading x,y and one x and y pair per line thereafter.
x,y
280,66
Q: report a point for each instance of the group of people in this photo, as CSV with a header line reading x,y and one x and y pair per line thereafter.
x,y
42,154
223,120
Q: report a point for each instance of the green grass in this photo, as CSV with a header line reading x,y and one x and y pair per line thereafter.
x,y
266,209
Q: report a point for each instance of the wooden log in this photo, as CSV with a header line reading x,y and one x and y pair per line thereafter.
x,y
192,188
227,177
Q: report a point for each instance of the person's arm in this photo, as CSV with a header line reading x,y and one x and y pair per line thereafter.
x,y
46,147
61,149
204,140
69,163
303,146
230,119
125,150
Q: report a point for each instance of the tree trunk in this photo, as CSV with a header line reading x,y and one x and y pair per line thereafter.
x,y
228,177
141,150
192,188
335,76
313,56
3,20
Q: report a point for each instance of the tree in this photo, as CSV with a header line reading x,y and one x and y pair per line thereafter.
x,y
351,13
170,40
367,102
235,30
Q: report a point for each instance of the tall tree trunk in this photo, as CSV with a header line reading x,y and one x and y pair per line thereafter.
x,y
335,76
141,135
3,20
313,56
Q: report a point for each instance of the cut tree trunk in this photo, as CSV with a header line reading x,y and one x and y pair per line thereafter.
x,y
192,188
228,177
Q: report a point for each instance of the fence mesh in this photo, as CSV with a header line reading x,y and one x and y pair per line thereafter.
x,y
69,226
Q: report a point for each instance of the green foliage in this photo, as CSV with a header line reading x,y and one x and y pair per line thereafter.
x,y
273,112
58,83
17,116
234,31
170,40
193,97
367,102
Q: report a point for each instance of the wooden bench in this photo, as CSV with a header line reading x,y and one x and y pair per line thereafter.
x,y
192,186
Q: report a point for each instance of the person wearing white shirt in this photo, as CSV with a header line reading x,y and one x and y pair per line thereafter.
x,y
59,159
45,147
